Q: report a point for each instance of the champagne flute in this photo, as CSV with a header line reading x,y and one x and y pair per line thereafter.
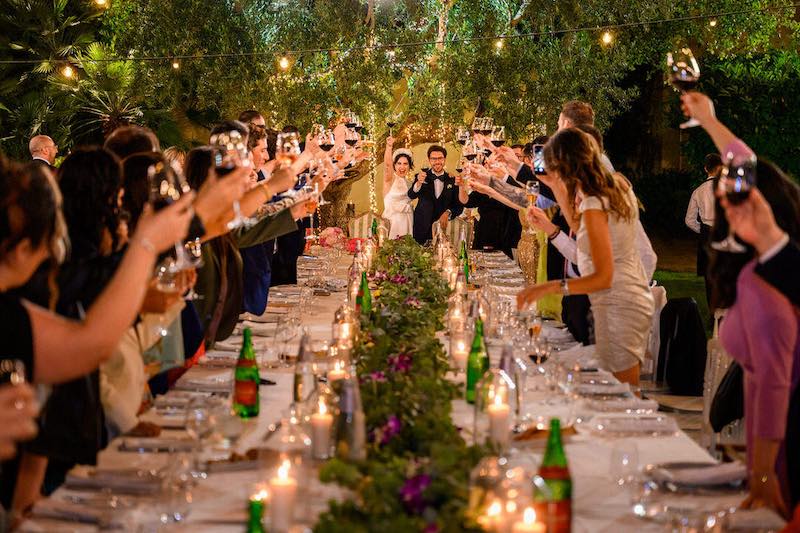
x,y
532,192
684,74
312,206
195,251
167,282
230,152
737,179
199,423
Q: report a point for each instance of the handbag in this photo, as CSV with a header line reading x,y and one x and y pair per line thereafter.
x,y
728,403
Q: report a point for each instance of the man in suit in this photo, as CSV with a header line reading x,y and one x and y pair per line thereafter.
x,y
43,151
436,193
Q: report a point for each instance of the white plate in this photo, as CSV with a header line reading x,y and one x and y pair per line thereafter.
x,y
615,425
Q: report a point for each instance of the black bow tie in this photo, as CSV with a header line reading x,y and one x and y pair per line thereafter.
x,y
440,178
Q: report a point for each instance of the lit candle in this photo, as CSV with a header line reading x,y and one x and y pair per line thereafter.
x,y
284,493
459,350
337,372
499,413
528,524
321,423
495,518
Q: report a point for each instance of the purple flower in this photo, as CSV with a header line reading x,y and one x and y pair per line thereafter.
x,y
378,376
379,275
391,428
411,493
432,527
399,279
413,302
400,362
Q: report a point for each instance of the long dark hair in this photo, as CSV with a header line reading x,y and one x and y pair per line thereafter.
x,y
575,156
198,163
90,182
137,184
783,196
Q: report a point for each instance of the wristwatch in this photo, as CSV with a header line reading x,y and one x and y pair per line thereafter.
x,y
564,287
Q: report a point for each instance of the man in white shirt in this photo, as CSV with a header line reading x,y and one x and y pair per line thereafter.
x,y
700,213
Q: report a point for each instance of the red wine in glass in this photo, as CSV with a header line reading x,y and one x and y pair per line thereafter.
x,y
684,84
498,142
737,197
470,157
327,147
351,142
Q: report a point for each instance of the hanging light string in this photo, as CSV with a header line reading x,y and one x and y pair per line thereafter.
x,y
713,19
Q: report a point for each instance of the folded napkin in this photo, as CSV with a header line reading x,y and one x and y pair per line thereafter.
x,y
603,388
70,512
701,475
155,445
119,481
624,405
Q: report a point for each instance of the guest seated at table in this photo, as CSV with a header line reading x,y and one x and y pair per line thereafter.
x,y
611,270
761,329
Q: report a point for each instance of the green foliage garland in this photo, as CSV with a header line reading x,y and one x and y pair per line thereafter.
x,y
417,471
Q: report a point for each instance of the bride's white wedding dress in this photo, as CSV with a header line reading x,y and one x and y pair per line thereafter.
x,y
397,208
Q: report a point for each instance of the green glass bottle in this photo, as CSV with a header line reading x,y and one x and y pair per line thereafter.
x,y
364,297
245,394
463,257
374,231
555,507
256,516
477,362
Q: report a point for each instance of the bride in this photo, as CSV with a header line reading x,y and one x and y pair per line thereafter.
x,y
396,203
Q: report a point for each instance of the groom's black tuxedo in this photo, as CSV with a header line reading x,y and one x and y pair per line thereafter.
x,y
429,208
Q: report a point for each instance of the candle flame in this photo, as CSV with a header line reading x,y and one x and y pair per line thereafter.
x,y
511,507
495,508
261,495
323,409
498,399
283,470
529,515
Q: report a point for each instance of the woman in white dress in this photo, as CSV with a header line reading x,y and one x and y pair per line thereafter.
x,y
611,269
396,204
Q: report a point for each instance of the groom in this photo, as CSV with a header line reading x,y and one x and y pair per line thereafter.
x,y
436,193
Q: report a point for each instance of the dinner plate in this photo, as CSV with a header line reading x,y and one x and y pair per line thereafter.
x,y
615,425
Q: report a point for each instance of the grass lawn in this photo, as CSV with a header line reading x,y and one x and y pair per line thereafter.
x,y
685,284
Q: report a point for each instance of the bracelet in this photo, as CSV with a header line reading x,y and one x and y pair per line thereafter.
x,y
145,243
554,234
564,287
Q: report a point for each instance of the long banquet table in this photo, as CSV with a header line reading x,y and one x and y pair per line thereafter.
x,y
219,502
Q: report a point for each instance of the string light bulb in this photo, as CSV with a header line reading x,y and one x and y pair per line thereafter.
x,y
607,38
499,44
712,23
176,64
283,62
68,72
101,3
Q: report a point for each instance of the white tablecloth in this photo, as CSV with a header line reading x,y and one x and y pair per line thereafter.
x,y
219,502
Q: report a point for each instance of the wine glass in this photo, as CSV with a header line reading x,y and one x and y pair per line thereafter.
x,y
200,423
532,192
498,136
195,252
462,135
230,152
350,119
624,467
166,281
308,189
737,179
488,126
359,127
167,185
287,148
684,75
392,121
351,137
326,139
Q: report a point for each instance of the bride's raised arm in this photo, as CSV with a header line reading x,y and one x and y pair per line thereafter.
x,y
388,166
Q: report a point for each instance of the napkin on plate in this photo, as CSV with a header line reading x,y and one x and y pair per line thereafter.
x,y
70,512
155,445
615,389
625,405
710,475
119,481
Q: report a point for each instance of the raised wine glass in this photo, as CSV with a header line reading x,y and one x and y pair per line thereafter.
x,y
477,125
194,249
350,119
312,207
498,137
392,121
230,152
684,75
167,185
532,192
287,148
462,135
488,126
737,179
326,139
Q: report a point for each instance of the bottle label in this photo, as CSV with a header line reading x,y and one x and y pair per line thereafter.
x,y
246,392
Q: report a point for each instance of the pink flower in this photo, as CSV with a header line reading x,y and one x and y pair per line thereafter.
x,y
400,362
413,302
